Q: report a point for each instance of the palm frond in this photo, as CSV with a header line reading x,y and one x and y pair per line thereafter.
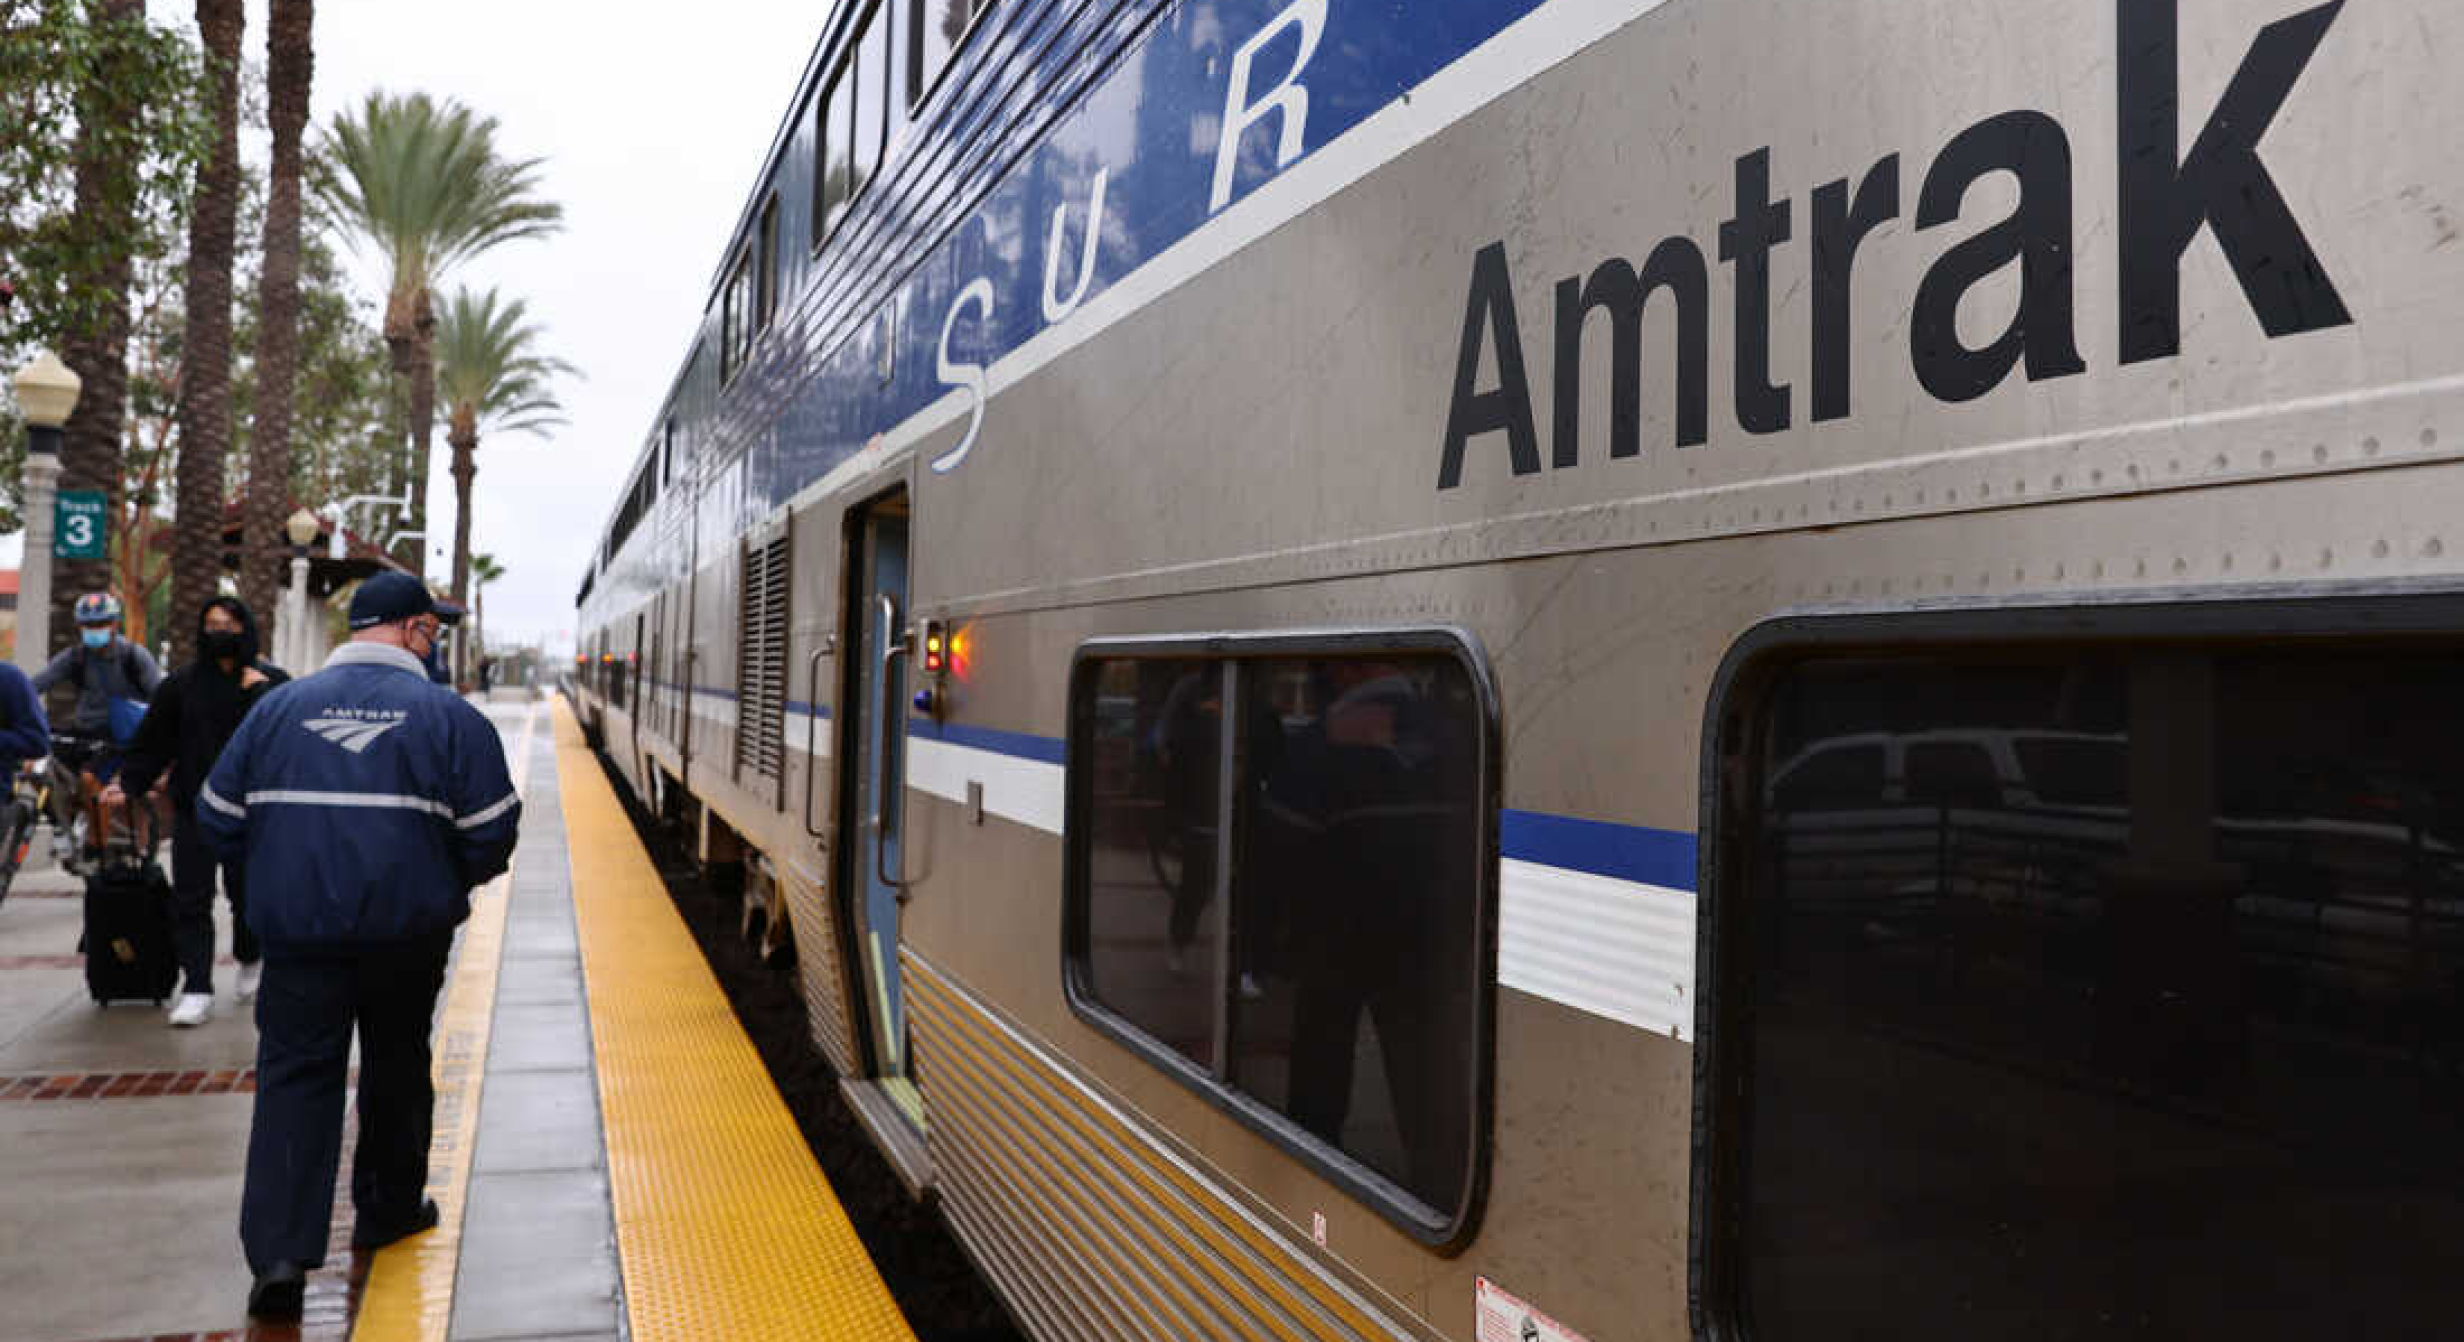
x,y
419,180
489,365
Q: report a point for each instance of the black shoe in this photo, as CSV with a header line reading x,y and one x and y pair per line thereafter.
x,y
276,1294
374,1237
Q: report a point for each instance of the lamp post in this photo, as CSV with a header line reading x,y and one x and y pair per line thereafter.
x,y
47,393
301,527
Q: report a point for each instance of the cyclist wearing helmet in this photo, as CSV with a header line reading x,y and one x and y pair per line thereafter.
x,y
105,668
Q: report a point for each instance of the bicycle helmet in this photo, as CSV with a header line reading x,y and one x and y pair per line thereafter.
x,y
98,608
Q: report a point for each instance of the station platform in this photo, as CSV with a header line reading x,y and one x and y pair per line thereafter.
x,y
611,1160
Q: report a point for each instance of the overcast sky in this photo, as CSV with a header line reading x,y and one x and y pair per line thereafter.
x,y
652,120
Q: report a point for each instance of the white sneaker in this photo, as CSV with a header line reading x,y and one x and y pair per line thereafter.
x,y
1251,989
193,1009
249,974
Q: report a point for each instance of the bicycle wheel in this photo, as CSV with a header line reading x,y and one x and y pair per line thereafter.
x,y
16,835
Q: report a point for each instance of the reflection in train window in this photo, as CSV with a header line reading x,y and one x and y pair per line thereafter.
x,y
1150,879
736,316
1312,939
766,278
852,116
937,27
2126,998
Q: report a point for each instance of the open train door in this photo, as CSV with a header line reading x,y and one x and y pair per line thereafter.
x,y
871,823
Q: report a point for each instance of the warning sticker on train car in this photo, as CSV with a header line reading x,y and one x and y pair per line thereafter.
x,y
1504,1318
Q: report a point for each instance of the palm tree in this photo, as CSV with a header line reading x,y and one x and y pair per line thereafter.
x,y
108,190
484,570
421,182
290,58
495,380
205,360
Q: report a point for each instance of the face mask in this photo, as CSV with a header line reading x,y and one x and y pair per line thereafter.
x,y
221,643
95,638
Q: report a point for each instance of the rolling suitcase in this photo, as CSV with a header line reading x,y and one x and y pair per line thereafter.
x,y
128,945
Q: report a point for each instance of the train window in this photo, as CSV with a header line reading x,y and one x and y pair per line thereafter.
x,y
766,275
1153,807
2138,1009
1280,871
872,110
935,29
834,138
853,118
735,316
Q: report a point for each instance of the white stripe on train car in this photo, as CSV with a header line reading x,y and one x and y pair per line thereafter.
x,y
1030,792
1615,948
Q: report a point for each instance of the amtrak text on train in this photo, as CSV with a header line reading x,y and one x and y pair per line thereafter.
x,y
2164,198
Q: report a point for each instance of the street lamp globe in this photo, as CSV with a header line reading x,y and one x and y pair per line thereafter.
x,y
301,527
47,391
46,394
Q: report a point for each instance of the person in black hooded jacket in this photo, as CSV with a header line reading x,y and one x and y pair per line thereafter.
x,y
190,719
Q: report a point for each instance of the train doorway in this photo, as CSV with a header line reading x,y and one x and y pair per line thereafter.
x,y
873,788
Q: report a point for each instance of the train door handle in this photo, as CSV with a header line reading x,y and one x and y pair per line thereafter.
x,y
812,715
893,646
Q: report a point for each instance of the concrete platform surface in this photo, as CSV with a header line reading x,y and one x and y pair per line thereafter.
x,y
123,1140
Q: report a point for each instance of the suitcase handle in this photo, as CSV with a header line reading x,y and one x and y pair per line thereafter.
x,y
138,821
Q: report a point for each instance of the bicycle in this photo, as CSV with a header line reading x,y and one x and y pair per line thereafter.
x,y
79,766
28,802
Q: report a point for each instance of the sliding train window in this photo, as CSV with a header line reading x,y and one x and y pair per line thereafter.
x,y
736,317
2083,977
852,121
1282,853
766,274
935,30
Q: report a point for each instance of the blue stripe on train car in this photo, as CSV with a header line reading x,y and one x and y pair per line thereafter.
x,y
1023,745
1638,853
1660,857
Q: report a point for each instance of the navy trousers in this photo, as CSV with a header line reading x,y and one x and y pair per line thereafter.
x,y
307,1007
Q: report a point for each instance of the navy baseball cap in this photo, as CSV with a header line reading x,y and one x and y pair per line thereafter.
x,y
386,597
448,613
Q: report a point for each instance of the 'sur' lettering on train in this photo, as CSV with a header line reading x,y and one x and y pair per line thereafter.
x,y
1598,668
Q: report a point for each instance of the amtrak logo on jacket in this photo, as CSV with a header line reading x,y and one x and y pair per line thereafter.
x,y
354,729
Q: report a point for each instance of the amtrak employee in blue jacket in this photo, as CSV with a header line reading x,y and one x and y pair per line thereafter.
x,y
367,803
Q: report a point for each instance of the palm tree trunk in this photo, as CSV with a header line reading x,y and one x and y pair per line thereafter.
x,y
205,362
290,59
423,428
465,444
465,468
106,201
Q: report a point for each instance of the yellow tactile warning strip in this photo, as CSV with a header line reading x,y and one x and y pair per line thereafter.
x,y
409,1295
725,1227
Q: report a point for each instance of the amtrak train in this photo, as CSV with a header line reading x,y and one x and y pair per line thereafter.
x,y
1599,669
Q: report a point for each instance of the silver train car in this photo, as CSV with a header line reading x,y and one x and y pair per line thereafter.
x,y
1597,668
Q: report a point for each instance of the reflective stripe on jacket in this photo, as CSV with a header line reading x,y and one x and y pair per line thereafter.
x,y
367,802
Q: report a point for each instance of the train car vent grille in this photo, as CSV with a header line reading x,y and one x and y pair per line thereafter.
x,y
761,663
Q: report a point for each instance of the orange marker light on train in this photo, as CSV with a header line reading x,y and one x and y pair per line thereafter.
x,y
962,653
936,648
